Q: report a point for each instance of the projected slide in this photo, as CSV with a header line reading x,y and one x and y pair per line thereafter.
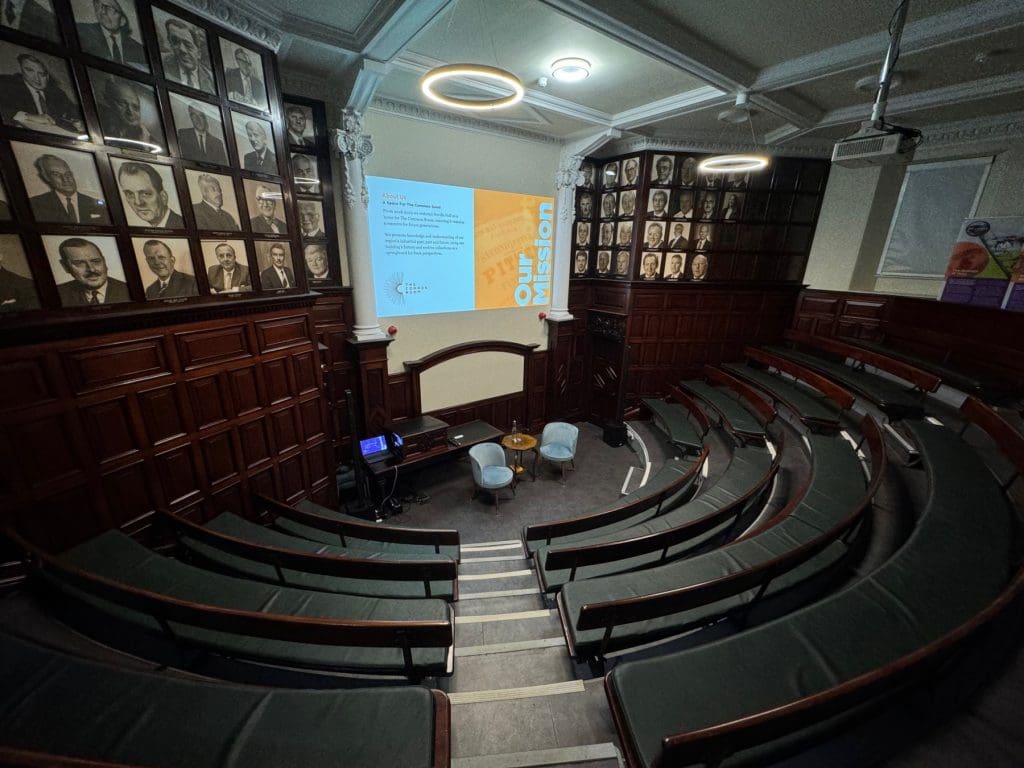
x,y
438,248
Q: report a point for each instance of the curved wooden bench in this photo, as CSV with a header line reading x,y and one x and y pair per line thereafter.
x,y
114,577
241,548
804,542
318,523
674,420
732,413
710,516
812,408
73,712
670,486
957,571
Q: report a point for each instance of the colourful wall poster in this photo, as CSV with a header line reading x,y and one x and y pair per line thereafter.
x,y
984,258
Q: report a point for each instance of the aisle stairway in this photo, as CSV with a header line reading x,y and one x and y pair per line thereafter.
x,y
516,701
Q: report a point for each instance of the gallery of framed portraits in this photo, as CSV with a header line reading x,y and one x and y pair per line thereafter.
x,y
146,161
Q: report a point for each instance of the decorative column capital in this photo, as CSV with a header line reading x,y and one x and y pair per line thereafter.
x,y
349,139
568,173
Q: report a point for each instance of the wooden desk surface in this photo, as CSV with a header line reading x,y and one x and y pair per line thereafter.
x,y
460,438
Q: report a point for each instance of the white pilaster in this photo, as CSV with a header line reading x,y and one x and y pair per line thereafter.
x,y
566,178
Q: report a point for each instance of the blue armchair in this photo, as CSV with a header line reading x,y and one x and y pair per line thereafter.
x,y
489,470
558,444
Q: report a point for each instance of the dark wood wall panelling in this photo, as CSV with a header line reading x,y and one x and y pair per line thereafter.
x,y
96,432
332,322
980,339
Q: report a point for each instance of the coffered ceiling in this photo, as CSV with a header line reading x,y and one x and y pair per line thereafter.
x,y
664,69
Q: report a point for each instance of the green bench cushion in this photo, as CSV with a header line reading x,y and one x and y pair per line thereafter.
x,y
674,421
121,558
949,375
740,419
954,564
837,483
807,404
747,466
50,702
233,525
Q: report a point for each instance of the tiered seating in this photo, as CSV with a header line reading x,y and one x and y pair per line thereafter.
x,y
57,705
803,544
747,418
674,420
240,547
813,409
764,688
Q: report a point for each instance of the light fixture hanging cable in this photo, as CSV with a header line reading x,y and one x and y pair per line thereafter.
x,y
738,163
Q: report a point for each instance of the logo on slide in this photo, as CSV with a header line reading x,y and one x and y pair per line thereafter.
x,y
396,289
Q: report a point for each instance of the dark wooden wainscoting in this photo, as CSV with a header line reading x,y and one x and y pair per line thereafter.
x,y
99,430
332,321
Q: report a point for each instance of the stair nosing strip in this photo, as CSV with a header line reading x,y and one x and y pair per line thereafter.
x,y
498,575
483,618
518,645
526,692
540,757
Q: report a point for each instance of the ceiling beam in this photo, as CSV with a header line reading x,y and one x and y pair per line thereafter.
x,y
397,31
673,106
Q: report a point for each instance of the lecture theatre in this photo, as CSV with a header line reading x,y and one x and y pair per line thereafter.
x,y
511,383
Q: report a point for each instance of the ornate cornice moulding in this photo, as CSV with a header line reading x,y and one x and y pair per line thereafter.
x,y
1008,126
702,142
249,20
418,112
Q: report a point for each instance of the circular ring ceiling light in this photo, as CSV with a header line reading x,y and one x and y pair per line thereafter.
x,y
571,69
479,71
733,163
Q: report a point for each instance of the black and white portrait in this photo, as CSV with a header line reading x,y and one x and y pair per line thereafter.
x,y
685,206
688,172
661,170
608,205
184,52
657,204
650,266
630,172
318,268
37,93
17,286
604,262
622,263
678,235
586,175
254,140
129,114
243,73
699,266
732,206
165,264
610,175
606,235
214,205
298,121
708,207
148,193
199,129
674,266
654,235
32,17
305,174
624,233
704,238
110,29
265,203
275,262
581,263
311,220
738,180
227,266
711,180
585,206
582,235
87,270
627,204
62,185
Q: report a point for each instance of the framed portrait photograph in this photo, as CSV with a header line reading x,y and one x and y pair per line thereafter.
x,y
305,174
227,266
650,265
688,172
37,92
685,207
184,52
732,206
585,206
711,180
5,202
624,233
704,238
243,74
707,208
657,204
62,185
581,263
674,263
662,170
31,17
129,113
165,264
622,263
627,204
586,175
110,30
678,235
630,175
87,270
604,262
698,269
199,129
654,235
274,258
608,205
582,235
610,175
311,220
254,141
737,180
214,204
265,202
17,286
300,125
318,267
149,194
606,235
